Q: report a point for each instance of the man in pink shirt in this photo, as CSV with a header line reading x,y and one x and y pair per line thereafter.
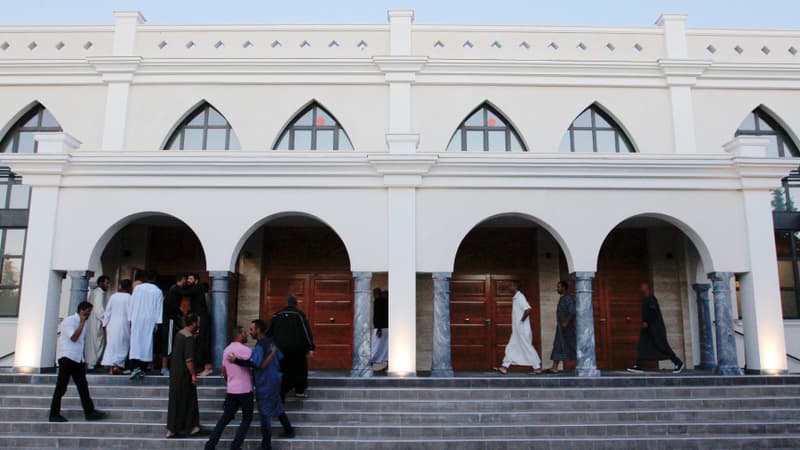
x,y
239,392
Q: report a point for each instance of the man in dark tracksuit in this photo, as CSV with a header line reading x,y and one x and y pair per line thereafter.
x,y
292,334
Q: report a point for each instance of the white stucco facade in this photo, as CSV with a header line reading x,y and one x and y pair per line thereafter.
x,y
400,90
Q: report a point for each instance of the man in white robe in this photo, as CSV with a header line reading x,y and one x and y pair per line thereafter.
x,y
520,351
144,316
95,333
118,332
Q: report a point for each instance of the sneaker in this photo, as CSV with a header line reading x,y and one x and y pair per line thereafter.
x,y
165,372
58,418
635,369
679,367
96,415
137,374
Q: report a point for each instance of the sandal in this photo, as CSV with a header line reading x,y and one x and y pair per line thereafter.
x,y
501,369
553,371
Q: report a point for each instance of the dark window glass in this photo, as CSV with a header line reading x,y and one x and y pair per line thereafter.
x,y
485,130
594,131
314,128
13,222
787,244
204,129
759,123
19,138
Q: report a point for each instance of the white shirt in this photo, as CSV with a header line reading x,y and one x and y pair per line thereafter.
x,y
67,348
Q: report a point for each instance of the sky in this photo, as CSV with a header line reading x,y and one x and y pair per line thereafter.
x,y
775,14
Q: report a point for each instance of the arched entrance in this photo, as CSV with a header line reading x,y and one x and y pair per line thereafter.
x,y
491,255
300,255
643,249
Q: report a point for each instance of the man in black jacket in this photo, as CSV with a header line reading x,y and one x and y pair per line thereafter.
x,y
171,321
653,344
292,334
196,291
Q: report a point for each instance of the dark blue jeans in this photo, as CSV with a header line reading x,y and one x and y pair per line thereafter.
x,y
233,402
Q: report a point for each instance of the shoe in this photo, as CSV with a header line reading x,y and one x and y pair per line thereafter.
x,y
96,415
679,367
300,395
165,372
635,369
59,418
288,434
137,374
205,373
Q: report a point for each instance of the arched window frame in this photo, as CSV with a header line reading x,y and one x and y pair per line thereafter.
x,y
764,125
620,137
177,140
287,140
459,139
37,120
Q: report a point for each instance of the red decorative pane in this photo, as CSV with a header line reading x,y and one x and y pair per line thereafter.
x,y
320,121
492,121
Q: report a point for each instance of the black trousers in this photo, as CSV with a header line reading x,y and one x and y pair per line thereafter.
x,y
233,402
294,367
67,369
266,429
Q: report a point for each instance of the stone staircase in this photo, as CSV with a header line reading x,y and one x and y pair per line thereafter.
x,y
482,411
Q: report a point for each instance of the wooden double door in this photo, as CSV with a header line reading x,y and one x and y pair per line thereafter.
x,y
480,318
327,301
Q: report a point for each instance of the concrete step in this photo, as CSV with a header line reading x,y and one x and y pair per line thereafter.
x,y
774,442
159,416
111,429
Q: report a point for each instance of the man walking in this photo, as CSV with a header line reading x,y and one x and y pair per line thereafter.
x,y
239,391
519,350
115,321
95,333
289,327
653,344
71,365
267,374
183,412
380,321
144,316
564,342
171,321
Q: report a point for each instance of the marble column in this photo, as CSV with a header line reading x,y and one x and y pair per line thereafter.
x,y
442,365
708,359
219,314
362,326
78,288
584,324
727,360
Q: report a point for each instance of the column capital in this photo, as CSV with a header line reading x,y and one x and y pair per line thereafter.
x,y
362,275
80,274
718,278
701,286
220,274
444,276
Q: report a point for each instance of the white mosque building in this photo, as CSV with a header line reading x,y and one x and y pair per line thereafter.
x,y
436,161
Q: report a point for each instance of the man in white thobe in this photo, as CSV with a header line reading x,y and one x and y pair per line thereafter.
x,y
95,333
144,315
118,332
520,351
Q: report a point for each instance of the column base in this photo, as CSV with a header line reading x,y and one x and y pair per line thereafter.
x,y
587,372
361,373
33,370
401,374
442,373
766,372
707,366
728,370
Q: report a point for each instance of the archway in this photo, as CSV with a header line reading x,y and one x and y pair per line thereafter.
x,y
495,252
646,249
298,254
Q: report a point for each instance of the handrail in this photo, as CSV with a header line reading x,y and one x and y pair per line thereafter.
x,y
7,355
788,355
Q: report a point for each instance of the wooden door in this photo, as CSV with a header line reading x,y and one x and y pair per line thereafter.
x,y
623,266
327,301
480,318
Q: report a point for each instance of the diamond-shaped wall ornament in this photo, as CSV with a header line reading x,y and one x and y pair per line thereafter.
x,y
496,45
276,44
4,46
333,44
190,45
60,45
32,46
305,44
711,49
581,47
247,45
467,45
552,46
438,45
162,45
88,45
524,46
738,49
765,50
637,48
362,45
219,45
792,50
610,47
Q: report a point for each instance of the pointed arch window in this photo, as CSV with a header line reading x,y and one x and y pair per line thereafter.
x,y
759,123
314,128
204,129
485,130
19,138
594,131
